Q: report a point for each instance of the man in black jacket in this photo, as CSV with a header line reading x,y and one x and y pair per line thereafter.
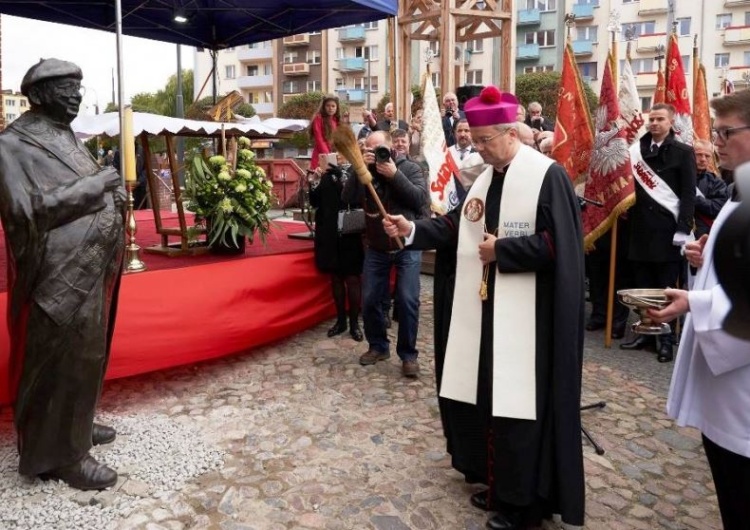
x,y
402,189
712,192
662,217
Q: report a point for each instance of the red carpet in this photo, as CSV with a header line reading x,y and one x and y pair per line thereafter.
x,y
205,307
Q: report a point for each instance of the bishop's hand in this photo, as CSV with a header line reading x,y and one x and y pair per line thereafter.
x,y
487,249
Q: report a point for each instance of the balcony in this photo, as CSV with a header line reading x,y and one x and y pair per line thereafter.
x,y
736,36
297,40
650,43
254,81
529,17
351,95
736,3
646,80
527,52
352,34
352,64
583,47
653,7
293,69
254,54
263,108
583,11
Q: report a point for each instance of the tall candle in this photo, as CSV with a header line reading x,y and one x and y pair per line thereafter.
x,y
128,156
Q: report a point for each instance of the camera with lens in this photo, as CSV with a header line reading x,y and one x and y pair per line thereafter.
x,y
382,153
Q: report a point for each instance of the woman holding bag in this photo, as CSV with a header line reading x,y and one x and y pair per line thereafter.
x,y
340,255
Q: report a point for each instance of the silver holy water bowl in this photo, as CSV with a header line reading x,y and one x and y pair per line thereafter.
x,y
641,300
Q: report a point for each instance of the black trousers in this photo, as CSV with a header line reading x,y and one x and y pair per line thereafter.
x,y
731,473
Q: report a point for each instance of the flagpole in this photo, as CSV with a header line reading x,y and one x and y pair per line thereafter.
x,y
614,28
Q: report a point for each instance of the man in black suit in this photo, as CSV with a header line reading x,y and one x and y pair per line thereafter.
x,y
451,116
662,217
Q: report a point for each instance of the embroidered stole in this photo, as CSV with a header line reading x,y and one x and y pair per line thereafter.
x,y
652,183
514,323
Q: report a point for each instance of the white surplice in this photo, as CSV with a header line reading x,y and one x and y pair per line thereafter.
x,y
710,387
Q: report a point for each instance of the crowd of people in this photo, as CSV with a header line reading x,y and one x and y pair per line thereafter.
x,y
509,287
507,372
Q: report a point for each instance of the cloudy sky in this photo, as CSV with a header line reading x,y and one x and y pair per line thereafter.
x,y
147,64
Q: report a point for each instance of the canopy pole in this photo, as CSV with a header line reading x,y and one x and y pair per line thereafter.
x,y
120,84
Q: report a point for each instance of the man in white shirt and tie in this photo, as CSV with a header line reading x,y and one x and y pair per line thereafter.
x,y
468,160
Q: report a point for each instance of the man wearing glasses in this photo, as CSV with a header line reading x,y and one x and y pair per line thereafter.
x,y
661,221
509,333
63,219
711,378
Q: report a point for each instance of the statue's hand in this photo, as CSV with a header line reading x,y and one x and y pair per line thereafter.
x,y
111,179
120,198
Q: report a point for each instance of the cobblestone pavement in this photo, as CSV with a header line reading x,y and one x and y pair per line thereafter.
x,y
313,440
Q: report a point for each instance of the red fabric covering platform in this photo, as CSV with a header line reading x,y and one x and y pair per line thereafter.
x,y
184,310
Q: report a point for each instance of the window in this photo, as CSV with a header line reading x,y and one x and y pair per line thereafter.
x,y
630,1
588,70
436,79
587,33
267,69
474,77
229,71
313,57
683,26
10,117
646,103
290,87
434,47
368,52
542,38
253,70
721,60
23,101
723,20
538,68
252,98
745,60
370,25
290,57
541,5
373,83
587,2
476,46
10,102
359,83
313,86
643,66
686,64
641,28
340,83
340,54
747,18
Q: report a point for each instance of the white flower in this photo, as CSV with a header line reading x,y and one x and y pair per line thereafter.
x,y
241,188
243,173
226,205
224,175
217,160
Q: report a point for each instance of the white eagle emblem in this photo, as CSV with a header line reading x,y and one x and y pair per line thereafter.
x,y
610,152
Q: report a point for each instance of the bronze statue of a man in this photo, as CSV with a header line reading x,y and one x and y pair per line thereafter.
x,y
63,217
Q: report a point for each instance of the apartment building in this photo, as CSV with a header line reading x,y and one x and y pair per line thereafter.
x,y
352,61
14,104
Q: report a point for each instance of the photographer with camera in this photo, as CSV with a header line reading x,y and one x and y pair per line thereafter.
x,y
402,188
450,117
536,121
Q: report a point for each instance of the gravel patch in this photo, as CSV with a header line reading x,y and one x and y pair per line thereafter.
x,y
153,454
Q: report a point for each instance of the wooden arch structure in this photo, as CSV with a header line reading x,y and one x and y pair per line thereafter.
x,y
449,22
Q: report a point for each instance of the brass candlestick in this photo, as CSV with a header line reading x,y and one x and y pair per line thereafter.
x,y
133,262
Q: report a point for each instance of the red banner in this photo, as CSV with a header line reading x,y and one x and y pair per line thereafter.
x,y
676,93
574,136
610,179
701,116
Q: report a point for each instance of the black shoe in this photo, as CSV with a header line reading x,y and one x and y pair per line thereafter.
x,y
593,325
618,330
338,328
101,434
480,500
640,342
356,333
387,321
665,353
86,474
503,521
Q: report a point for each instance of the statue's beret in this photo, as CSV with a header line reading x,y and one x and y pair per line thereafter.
x,y
47,69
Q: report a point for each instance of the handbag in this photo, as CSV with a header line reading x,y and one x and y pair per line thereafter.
x,y
351,221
